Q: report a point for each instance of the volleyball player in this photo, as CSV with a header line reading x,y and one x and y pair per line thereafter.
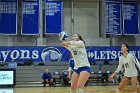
x,y
129,62
81,65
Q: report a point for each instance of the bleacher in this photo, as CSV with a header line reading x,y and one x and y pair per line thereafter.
x,y
33,73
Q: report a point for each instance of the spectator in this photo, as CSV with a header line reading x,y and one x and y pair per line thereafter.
x,y
12,64
47,78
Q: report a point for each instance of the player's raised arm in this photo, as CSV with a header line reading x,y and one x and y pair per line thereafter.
x,y
77,43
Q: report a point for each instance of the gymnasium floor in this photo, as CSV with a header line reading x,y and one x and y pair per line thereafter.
x,y
87,89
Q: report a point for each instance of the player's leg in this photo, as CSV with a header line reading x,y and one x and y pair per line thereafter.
x,y
74,81
122,84
134,81
84,75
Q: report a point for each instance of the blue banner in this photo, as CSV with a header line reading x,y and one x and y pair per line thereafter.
x,y
53,16
113,17
130,18
36,54
109,53
30,17
50,54
8,17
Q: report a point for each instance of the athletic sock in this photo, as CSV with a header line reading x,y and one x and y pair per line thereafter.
x,y
72,91
118,91
80,90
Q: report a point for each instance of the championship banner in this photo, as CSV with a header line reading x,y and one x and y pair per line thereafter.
x,y
30,17
8,17
113,17
53,16
130,18
61,54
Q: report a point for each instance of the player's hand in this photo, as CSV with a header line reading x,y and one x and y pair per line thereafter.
x,y
64,44
111,78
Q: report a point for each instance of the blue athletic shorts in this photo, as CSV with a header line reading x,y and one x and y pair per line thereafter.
x,y
80,69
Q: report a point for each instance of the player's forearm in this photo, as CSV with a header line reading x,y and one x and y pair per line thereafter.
x,y
114,74
76,43
118,70
69,74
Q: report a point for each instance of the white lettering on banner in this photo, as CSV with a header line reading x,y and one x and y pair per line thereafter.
x,y
119,53
108,53
96,55
92,54
19,54
14,54
113,54
25,54
102,55
35,54
5,54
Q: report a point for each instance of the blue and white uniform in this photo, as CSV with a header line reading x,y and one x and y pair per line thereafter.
x,y
129,63
81,63
71,65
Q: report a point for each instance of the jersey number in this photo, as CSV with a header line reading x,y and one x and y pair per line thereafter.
x,y
75,52
126,65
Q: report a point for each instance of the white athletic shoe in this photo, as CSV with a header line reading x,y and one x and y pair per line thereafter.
x,y
80,91
118,91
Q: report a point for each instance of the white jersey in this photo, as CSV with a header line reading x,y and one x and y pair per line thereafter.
x,y
77,48
129,63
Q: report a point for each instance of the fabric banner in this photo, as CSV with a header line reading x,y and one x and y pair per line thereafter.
x,y
130,18
53,16
60,54
109,53
113,17
30,17
36,54
8,17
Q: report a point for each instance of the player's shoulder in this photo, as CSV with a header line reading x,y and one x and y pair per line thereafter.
x,y
131,55
120,58
80,41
